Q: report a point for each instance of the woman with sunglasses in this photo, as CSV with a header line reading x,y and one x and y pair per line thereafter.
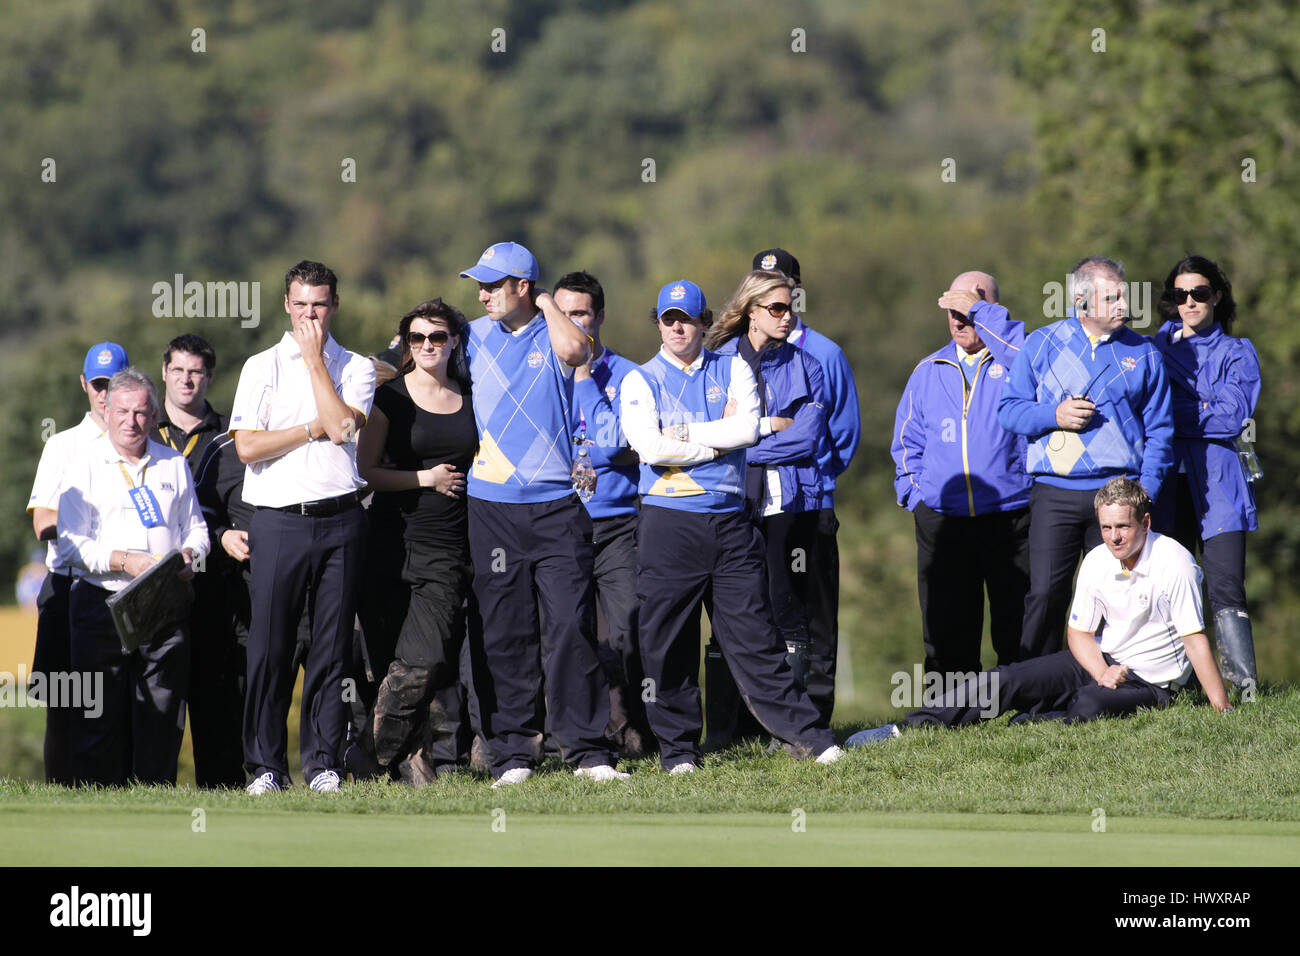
x,y
782,480
1215,382
414,452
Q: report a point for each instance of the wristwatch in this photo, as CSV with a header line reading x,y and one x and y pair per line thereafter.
x,y
682,432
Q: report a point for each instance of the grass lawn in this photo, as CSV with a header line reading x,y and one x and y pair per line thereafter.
x,y
1185,786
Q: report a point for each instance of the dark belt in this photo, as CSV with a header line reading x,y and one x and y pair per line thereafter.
x,y
323,508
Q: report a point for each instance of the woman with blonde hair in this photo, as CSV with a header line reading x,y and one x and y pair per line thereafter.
x,y
783,482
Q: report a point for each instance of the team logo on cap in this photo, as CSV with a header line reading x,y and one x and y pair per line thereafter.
x,y
396,339
490,252
996,370
714,394
679,292
535,359
769,261
105,357
1129,363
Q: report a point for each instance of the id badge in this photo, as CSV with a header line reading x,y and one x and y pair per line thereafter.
x,y
146,506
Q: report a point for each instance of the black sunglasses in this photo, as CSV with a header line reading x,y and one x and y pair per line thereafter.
x,y
775,309
416,339
1201,293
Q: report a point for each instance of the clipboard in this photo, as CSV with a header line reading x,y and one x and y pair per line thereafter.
x,y
154,602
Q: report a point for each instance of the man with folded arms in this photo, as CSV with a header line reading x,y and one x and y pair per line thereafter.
x,y
297,410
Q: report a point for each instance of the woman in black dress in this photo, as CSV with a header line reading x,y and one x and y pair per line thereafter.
x,y
414,452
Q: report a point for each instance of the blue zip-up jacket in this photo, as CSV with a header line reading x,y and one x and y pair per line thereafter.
x,y
1215,382
794,385
949,450
1130,434
598,400
843,418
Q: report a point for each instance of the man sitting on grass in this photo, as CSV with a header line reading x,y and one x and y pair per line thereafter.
x,y
1146,588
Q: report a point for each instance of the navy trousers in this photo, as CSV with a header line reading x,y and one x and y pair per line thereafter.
x,y
53,655
291,553
134,732
682,555
823,603
533,571
1053,682
1062,527
614,543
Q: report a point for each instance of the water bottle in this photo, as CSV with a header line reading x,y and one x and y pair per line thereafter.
x,y
584,475
1249,460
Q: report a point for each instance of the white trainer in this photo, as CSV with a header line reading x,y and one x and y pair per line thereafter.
x,y
512,777
682,768
830,754
263,784
327,781
601,774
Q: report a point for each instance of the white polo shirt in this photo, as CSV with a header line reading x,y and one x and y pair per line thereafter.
x,y
1147,611
61,449
97,517
275,392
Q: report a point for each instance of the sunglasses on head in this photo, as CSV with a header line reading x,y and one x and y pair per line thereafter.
x,y
416,339
1201,293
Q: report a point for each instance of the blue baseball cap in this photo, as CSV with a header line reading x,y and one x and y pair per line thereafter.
x,y
682,295
501,260
104,361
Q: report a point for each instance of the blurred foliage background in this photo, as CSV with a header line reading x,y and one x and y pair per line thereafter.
x,y
227,165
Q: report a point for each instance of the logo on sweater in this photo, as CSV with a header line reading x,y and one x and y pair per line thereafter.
x,y
1128,363
535,359
610,392
714,394
996,371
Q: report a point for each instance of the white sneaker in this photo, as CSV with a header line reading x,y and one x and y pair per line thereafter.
x,y
512,777
681,769
601,774
830,754
327,781
263,784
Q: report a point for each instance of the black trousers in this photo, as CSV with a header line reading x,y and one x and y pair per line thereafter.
x,y
426,659
1062,527
217,662
291,553
1223,557
533,572
822,597
136,733
53,655
682,555
1052,682
957,557
614,545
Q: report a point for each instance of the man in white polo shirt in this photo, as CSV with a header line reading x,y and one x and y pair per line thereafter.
x,y
126,502
297,410
1145,589
52,652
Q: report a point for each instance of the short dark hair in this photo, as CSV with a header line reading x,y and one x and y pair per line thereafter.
x,y
1224,312
194,345
705,318
581,282
311,273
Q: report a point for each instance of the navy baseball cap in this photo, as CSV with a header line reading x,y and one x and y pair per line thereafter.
x,y
104,361
778,259
682,295
501,260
